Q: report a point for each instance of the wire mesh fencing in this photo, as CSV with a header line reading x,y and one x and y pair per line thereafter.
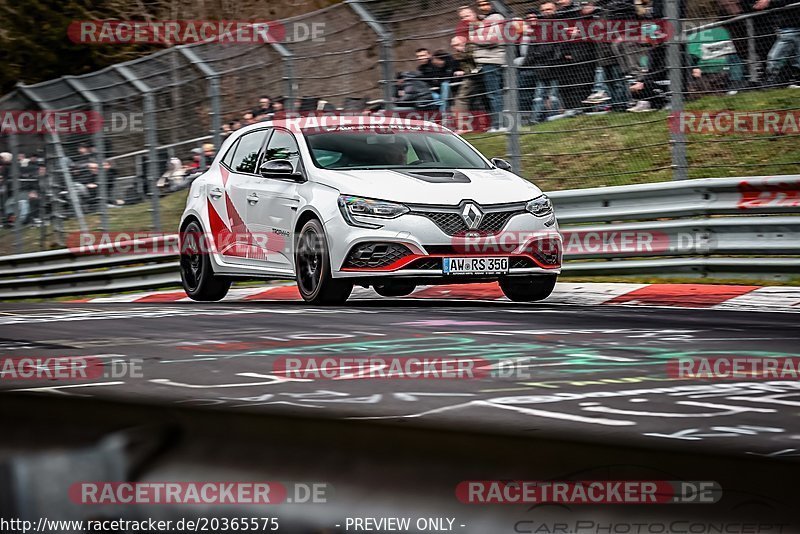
x,y
674,90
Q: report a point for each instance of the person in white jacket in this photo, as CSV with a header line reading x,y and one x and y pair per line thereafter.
x,y
489,52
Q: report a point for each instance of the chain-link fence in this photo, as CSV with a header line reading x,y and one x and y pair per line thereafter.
x,y
678,96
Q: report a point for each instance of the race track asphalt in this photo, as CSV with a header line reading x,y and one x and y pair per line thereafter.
x,y
586,373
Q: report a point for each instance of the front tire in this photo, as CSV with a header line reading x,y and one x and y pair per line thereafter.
x,y
197,274
313,266
528,288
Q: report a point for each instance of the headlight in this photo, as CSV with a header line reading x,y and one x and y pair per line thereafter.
x,y
366,207
540,206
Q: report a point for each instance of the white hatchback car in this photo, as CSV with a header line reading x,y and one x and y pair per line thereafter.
x,y
388,206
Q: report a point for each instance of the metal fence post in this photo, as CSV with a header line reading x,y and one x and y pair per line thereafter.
x,y
63,163
752,58
212,78
512,110
288,74
676,74
150,139
45,205
61,158
54,200
387,43
150,143
98,139
511,94
16,191
216,111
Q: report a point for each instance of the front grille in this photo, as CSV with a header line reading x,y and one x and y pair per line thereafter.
x,y
451,222
375,255
495,221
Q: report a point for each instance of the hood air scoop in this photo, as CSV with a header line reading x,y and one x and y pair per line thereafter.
x,y
439,177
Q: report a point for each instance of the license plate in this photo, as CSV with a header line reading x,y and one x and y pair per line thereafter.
x,y
475,265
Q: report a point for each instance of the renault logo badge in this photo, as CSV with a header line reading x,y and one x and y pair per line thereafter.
x,y
472,216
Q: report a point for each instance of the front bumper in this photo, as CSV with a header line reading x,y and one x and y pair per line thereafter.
x,y
520,238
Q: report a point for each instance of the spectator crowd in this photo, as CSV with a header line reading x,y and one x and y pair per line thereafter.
x,y
562,78
557,79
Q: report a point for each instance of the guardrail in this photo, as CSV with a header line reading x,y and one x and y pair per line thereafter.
x,y
63,272
729,226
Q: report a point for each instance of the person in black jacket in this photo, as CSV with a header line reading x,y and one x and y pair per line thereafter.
x,y
610,55
526,77
443,65
578,69
542,60
785,53
414,92
424,65
443,68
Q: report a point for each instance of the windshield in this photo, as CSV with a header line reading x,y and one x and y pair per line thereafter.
x,y
391,149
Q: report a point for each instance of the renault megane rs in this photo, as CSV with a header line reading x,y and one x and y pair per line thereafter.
x,y
388,206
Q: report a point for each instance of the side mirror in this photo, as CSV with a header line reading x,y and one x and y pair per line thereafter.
x,y
279,168
502,164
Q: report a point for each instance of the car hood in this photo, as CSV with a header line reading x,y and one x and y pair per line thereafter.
x,y
431,186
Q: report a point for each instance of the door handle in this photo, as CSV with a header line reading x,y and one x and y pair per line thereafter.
x,y
252,198
215,193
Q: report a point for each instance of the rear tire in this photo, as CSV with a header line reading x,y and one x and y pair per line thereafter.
x,y
394,289
313,267
197,274
529,288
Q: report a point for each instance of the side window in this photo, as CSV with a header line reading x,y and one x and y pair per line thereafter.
x,y
228,159
283,146
246,154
